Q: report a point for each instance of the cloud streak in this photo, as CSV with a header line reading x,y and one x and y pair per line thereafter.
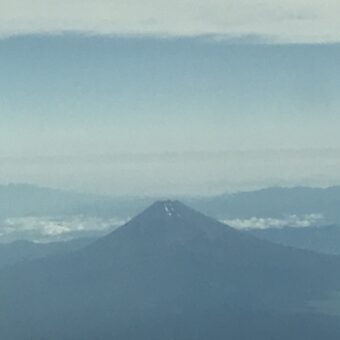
x,y
46,229
286,21
292,221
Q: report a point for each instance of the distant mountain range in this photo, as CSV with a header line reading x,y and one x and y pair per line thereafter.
x,y
272,207
28,200
275,202
171,273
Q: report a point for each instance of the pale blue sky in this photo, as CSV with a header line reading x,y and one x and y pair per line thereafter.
x,y
67,99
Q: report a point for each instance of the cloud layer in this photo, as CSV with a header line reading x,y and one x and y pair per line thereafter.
x,y
284,21
46,229
292,221
49,229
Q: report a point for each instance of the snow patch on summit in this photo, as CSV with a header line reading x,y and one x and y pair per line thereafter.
x,y
170,209
167,210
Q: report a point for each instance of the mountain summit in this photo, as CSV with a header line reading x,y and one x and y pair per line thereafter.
x,y
168,224
168,210
170,273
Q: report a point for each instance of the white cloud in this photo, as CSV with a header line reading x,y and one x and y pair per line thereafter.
x,y
292,221
292,21
45,229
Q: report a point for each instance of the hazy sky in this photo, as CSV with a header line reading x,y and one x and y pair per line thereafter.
x,y
277,20
145,97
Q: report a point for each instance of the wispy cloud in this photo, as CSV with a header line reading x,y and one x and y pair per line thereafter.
x,y
293,221
288,21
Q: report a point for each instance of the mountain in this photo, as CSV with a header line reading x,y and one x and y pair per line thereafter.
x,y
21,251
312,206
324,239
274,202
171,273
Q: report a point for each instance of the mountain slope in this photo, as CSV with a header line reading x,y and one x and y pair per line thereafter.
x,y
20,251
170,273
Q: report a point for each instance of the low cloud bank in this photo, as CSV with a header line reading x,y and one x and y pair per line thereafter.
x,y
46,229
50,229
293,221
